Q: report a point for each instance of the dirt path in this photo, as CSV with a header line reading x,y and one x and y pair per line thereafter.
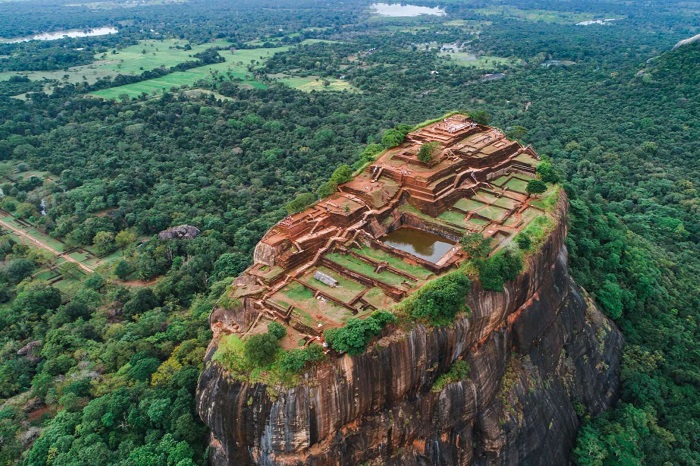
x,y
43,245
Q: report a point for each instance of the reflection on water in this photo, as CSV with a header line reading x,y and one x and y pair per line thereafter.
x,y
62,34
418,243
396,9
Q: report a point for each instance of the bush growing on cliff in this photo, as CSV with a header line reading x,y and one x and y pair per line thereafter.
x,y
354,337
458,371
498,269
294,361
439,301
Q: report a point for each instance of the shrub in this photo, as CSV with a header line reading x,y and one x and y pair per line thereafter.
x,y
354,337
476,245
535,187
294,361
260,349
546,172
277,330
495,271
523,241
440,300
427,151
458,371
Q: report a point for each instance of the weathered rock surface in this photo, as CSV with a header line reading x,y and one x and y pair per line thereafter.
x,y
179,232
537,352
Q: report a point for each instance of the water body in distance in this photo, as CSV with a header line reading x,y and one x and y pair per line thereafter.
x,y
63,34
398,10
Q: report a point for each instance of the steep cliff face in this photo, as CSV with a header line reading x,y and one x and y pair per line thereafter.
x,y
538,352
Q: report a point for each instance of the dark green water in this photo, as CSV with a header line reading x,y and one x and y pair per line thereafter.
x,y
418,243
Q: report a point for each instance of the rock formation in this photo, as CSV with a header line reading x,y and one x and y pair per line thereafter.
x,y
538,353
179,232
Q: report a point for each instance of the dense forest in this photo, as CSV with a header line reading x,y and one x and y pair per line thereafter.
x,y
100,367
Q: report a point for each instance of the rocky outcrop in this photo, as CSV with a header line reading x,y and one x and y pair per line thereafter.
x,y
179,232
538,352
690,40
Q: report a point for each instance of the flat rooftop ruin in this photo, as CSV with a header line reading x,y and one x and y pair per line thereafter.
x,y
387,231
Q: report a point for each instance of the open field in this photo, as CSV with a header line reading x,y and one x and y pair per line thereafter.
x,y
484,62
127,61
235,67
315,83
544,16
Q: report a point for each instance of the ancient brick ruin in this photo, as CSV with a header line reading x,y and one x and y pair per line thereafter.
x,y
475,182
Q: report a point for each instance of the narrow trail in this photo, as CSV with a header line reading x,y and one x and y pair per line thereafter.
x,y
43,245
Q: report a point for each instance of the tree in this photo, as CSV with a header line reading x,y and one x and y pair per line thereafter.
x,y
342,174
299,203
535,187
123,269
427,151
439,301
392,138
546,172
26,210
260,350
277,330
476,245
125,238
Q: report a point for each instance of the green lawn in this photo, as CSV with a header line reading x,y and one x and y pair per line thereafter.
x,y
501,180
356,265
505,202
453,217
494,213
517,185
468,205
394,261
315,83
345,291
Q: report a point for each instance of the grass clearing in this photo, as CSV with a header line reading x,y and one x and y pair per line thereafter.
x,y
493,213
537,16
235,67
315,83
482,62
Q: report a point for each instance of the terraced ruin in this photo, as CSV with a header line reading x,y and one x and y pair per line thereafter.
x,y
386,232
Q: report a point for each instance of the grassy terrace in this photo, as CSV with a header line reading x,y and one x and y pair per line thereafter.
x,y
394,261
345,291
356,265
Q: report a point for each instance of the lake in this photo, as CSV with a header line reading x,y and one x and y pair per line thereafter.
x,y
398,10
73,33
